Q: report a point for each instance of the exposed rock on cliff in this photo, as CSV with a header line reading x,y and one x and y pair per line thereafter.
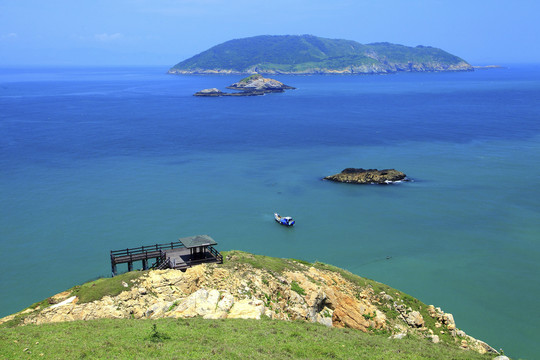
x,y
370,176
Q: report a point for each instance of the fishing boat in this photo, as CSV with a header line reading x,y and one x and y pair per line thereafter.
x,y
284,220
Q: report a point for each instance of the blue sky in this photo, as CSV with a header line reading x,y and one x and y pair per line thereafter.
x,y
164,32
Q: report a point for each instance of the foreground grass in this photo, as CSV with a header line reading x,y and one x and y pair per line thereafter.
x,y
211,339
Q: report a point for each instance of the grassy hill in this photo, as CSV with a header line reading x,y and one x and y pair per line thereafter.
x,y
310,54
284,285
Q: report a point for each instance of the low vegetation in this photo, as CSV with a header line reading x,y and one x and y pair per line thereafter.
x,y
211,339
272,264
99,288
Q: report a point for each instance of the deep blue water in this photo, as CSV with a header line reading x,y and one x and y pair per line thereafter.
x,y
104,158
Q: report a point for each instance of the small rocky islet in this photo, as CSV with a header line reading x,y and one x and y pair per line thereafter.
x,y
367,176
253,85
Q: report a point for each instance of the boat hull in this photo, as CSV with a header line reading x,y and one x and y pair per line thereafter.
x,y
283,220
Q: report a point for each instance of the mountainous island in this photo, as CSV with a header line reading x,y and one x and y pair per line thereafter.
x,y
251,306
308,54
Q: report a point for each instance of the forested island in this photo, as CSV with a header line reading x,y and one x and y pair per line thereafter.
x,y
308,54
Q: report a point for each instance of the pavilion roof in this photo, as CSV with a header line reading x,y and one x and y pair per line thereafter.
x,y
197,241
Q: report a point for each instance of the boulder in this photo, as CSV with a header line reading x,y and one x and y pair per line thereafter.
x,y
226,302
55,299
247,309
414,319
200,303
370,176
315,302
349,313
434,338
64,302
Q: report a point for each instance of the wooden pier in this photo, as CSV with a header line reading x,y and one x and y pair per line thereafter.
x,y
181,254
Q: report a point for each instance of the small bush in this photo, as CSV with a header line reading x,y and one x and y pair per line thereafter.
x,y
297,288
156,336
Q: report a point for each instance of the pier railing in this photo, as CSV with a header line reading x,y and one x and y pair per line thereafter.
x,y
173,255
214,254
142,252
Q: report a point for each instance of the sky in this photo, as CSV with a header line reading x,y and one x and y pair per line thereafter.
x,y
165,32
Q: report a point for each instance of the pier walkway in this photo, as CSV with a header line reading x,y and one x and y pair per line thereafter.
x,y
182,254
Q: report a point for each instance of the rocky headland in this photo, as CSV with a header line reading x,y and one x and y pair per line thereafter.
x,y
368,176
250,286
253,85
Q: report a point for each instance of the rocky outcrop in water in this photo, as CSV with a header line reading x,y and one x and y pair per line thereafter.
x,y
257,82
253,85
209,92
369,176
215,93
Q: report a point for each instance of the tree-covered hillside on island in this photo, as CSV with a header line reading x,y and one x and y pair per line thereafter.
x,y
308,54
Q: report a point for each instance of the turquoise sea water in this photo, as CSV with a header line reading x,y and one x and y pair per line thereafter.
x,y
107,158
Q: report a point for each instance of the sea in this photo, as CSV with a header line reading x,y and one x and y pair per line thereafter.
x,y
94,159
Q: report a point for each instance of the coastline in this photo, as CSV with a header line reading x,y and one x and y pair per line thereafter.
x,y
347,71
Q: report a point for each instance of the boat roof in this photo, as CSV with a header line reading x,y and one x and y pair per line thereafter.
x,y
197,241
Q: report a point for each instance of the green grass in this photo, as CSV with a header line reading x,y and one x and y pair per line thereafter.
x,y
296,287
250,78
272,264
211,339
97,289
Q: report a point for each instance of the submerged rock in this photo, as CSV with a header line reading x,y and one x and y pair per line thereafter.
x,y
369,176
